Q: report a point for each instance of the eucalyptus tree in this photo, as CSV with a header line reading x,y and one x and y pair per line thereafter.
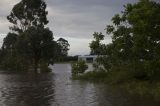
x,y
37,45
28,13
64,46
34,42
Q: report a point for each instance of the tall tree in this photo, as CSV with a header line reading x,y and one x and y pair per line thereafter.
x,y
34,43
64,46
28,13
38,45
135,40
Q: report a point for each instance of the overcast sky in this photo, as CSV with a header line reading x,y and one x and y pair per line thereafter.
x,y
74,20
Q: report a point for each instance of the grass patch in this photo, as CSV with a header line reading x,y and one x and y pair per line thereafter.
x,y
92,76
124,81
142,88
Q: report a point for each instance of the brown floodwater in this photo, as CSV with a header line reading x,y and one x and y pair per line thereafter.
x,y
57,89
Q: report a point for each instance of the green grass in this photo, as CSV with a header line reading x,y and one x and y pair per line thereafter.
x,y
123,80
142,88
92,76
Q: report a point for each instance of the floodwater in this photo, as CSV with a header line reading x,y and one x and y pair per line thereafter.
x,y
57,89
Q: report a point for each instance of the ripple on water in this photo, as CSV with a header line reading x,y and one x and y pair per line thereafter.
x,y
56,89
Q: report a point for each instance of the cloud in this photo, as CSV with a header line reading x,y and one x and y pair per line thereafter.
x,y
81,45
5,8
78,21
80,18
75,20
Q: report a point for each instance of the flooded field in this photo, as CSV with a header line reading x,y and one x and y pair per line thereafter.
x,y
57,89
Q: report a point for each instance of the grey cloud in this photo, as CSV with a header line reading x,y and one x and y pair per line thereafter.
x,y
5,8
87,3
4,26
73,16
77,19
82,17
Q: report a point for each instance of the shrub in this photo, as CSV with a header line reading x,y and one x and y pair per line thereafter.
x,y
78,67
44,67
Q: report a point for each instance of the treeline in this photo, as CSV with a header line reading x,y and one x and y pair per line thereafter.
x,y
30,45
67,59
135,49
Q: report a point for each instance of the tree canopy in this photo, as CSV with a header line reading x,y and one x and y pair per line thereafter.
x,y
30,44
135,40
28,13
64,46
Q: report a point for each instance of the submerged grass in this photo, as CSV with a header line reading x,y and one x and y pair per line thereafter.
x,y
93,76
124,81
142,88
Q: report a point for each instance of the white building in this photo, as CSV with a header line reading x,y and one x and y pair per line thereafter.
x,y
88,58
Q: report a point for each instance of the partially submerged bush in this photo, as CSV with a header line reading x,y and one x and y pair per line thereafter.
x,y
43,67
94,76
78,67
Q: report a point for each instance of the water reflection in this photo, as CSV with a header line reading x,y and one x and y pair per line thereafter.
x,y
27,89
48,89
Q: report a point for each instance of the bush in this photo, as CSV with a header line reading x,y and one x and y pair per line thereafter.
x,y
78,67
44,67
119,75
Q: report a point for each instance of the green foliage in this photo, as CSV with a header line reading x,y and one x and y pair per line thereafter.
x,y
78,67
9,41
94,76
132,60
31,42
63,47
28,13
135,50
96,46
13,62
44,67
38,43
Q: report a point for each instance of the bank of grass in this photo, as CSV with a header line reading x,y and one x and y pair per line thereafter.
x,y
142,88
93,76
123,80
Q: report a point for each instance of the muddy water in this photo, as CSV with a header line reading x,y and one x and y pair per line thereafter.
x,y
57,89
